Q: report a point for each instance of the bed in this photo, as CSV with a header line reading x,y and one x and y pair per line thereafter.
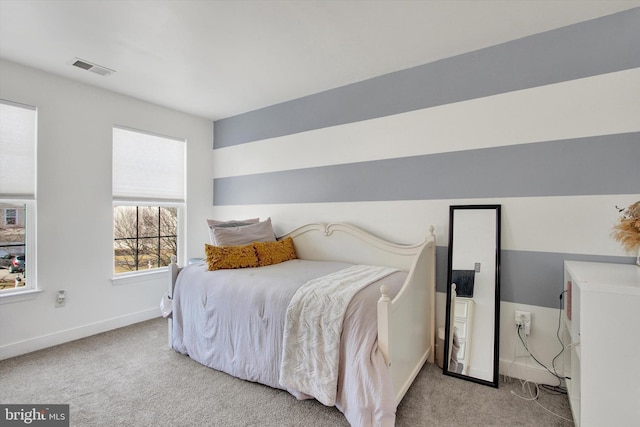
x,y
239,321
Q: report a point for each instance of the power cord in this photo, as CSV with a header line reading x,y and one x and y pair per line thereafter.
x,y
534,399
529,386
556,388
553,362
526,347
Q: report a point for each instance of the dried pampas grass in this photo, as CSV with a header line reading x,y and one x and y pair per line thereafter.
x,y
627,230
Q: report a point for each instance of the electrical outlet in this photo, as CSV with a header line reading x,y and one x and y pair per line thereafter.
x,y
61,299
523,319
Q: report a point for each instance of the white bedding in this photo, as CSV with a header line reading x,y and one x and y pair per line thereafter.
x,y
313,327
233,321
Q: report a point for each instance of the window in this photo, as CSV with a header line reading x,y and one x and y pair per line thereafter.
x,y
148,198
145,237
17,197
10,216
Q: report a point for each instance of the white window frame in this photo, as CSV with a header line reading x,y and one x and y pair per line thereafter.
x,y
154,273
30,289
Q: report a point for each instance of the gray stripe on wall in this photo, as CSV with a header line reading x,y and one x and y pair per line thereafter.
x,y
603,45
584,166
527,277
536,278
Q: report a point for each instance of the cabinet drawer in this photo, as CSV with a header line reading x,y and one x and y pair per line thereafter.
x,y
461,328
462,308
462,350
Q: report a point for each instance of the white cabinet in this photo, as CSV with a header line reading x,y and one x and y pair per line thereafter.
x,y
602,319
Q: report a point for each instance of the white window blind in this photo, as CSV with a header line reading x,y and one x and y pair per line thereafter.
x,y
17,150
147,167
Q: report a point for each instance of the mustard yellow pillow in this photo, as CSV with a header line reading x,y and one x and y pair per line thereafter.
x,y
275,252
224,257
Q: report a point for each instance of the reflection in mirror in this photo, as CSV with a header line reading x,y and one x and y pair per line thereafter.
x,y
473,294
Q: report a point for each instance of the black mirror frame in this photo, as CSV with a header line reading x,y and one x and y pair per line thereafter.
x,y
496,336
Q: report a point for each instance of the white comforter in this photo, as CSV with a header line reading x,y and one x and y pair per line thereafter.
x,y
233,321
313,327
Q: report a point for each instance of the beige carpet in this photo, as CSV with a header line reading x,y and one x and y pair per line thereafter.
x,y
129,377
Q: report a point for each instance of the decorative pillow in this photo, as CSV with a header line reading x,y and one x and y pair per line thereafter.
x,y
213,223
225,257
275,252
247,234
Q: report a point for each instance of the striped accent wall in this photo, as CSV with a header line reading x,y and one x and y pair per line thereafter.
x,y
548,126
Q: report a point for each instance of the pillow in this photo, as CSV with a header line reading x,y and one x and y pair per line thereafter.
x,y
232,222
275,252
224,257
247,234
213,223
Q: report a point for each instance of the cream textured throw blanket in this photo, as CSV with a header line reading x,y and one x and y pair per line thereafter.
x,y
313,326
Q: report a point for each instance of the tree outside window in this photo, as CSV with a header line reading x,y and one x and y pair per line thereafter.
x,y
145,237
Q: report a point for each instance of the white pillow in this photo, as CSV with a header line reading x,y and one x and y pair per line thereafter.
x,y
244,235
213,223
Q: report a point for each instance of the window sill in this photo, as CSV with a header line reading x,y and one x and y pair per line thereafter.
x,y
129,278
8,297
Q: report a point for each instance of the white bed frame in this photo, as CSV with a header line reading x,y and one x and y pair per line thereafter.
x,y
406,323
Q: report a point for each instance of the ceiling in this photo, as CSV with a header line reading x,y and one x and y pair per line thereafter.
x,y
219,58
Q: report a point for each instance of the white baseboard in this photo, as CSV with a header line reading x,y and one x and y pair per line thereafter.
x,y
527,371
45,341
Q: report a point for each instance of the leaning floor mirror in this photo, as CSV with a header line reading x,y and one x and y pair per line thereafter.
x,y
473,294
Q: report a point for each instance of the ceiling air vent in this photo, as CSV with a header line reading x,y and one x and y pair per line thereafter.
x,y
94,68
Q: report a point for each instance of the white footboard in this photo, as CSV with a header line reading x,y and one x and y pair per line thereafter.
x,y
406,324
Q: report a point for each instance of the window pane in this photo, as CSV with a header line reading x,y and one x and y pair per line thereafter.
x,y
145,237
148,254
12,246
168,234
10,216
148,217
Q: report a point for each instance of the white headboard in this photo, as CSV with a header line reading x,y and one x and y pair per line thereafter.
x,y
344,242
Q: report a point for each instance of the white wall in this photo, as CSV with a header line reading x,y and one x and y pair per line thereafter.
x,y
546,126
575,225
74,225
